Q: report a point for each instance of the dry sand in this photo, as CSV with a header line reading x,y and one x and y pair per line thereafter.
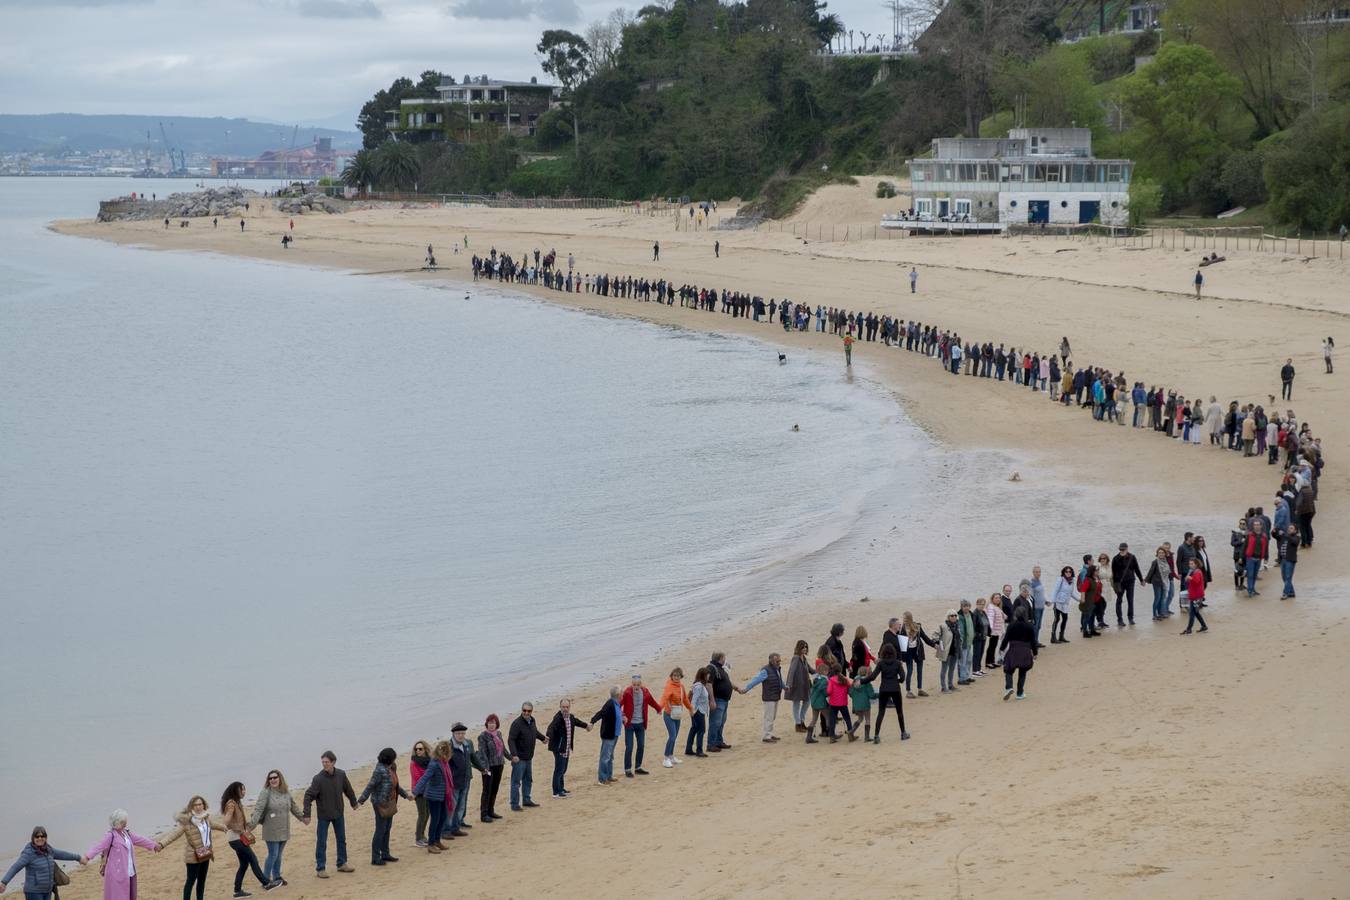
x,y
1142,764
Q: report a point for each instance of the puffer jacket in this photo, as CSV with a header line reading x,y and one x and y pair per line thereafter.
x,y
187,829
38,868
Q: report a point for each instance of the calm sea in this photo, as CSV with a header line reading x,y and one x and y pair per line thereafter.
x,y
251,511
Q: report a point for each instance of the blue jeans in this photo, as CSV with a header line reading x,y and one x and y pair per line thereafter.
x,y
1195,616
35,895
1253,568
634,732
321,843
963,664
1159,601
945,677
672,733
559,773
606,771
717,720
461,805
1039,617
272,865
1287,573
522,779
436,827
1171,592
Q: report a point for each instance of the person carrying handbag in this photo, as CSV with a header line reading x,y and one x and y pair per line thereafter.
x,y
195,825
384,789
240,837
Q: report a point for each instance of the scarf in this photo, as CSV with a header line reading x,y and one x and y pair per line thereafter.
x,y
423,762
449,785
44,850
497,742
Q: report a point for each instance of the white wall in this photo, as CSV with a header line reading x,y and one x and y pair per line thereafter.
x,y
1064,215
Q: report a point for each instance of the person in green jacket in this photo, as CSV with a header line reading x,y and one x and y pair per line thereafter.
x,y
819,701
860,696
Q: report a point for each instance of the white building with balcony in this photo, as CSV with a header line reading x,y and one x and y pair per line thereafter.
x,y
1033,176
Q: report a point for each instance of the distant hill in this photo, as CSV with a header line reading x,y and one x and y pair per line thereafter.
x,y
191,133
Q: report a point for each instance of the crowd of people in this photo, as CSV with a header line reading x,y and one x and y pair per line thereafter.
x,y
1003,630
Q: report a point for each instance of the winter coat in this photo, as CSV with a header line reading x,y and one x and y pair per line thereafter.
x,y
186,828
116,882
798,685
271,810
38,868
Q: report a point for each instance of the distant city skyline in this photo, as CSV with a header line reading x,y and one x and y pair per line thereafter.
x,y
307,62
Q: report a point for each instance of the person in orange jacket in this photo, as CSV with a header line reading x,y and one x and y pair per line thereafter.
x,y
674,706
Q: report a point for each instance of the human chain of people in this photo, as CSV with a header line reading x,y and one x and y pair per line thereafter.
x,y
824,689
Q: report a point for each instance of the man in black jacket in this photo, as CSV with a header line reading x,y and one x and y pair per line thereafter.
x,y
722,689
329,786
520,744
1124,573
560,735
610,717
463,760
891,637
1287,380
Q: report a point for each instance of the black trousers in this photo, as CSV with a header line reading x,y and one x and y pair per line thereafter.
x,y
1126,591
832,718
1021,679
492,780
1287,390
247,860
196,874
892,698
1061,622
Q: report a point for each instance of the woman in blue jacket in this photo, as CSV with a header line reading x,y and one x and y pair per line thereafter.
x,y
38,860
438,786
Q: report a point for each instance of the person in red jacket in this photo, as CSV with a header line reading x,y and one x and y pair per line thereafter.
x,y
635,702
1195,593
1257,545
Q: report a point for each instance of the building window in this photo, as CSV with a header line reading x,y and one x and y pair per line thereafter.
x,y
1052,173
1064,204
923,206
1115,204
1013,204
961,207
1036,173
946,172
1113,173
1013,173
966,172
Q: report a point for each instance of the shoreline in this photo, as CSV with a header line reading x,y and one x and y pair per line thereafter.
x,y
925,398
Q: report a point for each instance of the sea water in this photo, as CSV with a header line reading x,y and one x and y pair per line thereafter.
x,y
252,511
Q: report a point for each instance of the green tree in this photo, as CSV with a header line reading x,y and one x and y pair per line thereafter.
x,y
397,165
1179,102
360,172
1145,200
1308,173
371,119
567,57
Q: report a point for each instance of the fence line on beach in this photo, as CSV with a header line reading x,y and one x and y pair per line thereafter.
x,y
1186,238
488,200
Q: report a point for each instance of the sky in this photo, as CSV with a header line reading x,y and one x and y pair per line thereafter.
x,y
307,62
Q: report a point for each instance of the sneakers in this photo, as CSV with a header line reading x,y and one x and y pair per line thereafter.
x,y
904,735
676,760
346,869
909,695
1008,693
1021,697
322,873
667,764
923,693
530,804
422,844
242,894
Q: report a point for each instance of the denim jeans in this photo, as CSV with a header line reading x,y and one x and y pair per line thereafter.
x,y
606,769
1159,600
1287,573
977,653
1171,592
717,720
1253,569
379,840
693,744
1085,619
272,865
438,817
339,826
963,664
912,666
945,677
672,733
1195,616
522,780
560,773
1038,616
461,804
247,860
635,732
799,708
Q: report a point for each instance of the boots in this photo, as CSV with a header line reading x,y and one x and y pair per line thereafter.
x,y
801,729
867,732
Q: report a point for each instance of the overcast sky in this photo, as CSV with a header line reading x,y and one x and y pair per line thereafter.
x,y
300,61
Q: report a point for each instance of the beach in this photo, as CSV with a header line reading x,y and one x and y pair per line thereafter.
x,y
1140,764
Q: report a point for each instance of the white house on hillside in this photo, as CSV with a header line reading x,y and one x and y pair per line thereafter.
x,y
1034,175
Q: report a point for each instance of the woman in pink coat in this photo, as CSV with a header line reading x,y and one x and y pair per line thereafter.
x,y
119,866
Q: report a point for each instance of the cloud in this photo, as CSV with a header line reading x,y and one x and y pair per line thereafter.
x,y
556,12
339,9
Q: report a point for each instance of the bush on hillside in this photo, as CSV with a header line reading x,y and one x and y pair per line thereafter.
x,y
885,190
1308,175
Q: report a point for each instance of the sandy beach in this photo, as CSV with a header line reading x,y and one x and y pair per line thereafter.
x,y
1140,765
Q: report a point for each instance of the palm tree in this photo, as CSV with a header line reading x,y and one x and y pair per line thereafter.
x,y
397,165
360,172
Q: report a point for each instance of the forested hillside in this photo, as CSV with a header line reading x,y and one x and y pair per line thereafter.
x,y
1231,102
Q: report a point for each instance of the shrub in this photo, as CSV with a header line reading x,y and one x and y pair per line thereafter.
x,y
885,190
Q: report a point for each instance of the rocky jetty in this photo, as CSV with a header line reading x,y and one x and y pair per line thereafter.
x,y
228,201
307,203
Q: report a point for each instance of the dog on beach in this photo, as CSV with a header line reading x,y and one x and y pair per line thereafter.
x,y
782,359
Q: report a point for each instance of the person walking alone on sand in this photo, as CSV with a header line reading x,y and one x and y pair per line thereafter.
x,y
913,280
1287,380
1019,653
1199,282
656,251
848,350
1327,346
